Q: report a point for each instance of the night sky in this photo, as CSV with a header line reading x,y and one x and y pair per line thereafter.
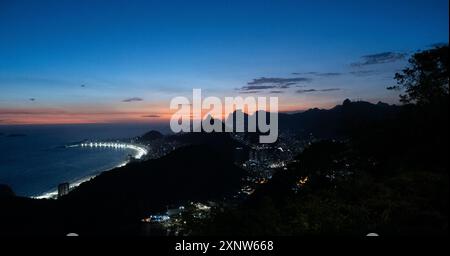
x,y
122,61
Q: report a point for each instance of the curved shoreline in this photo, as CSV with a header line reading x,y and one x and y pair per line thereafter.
x,y
139,153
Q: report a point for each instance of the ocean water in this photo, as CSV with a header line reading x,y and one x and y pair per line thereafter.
x,y
35,159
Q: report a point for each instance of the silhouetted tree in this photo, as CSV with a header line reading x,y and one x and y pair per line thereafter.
x,y
425,80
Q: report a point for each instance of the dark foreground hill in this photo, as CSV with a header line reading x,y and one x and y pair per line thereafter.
x,y
115,201
389,177
151,136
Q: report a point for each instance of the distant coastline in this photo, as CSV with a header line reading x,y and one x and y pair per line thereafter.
x,y
53,194
139,153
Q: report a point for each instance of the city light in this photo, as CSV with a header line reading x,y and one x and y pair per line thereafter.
x,y
140,151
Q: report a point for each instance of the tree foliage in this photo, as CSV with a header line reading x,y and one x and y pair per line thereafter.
x,y
425,80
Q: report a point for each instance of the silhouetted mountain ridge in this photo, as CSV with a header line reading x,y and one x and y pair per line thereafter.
x,y
151,136
339,120
328,123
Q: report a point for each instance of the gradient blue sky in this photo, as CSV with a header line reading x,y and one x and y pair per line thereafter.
x,y
150,51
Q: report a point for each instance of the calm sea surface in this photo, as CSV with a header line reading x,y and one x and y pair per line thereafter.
x,y
34,159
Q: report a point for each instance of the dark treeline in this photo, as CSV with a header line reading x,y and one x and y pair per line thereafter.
x,y
390,176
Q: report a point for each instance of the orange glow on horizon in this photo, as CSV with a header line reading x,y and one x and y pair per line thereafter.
x,y
159,114
51,116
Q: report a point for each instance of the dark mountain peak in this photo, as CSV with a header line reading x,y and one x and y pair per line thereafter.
x,y
382,104
235,113
152,135
209,118
337,121
313,110
359,106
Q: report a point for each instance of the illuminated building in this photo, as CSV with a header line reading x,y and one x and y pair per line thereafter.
x,y
63,189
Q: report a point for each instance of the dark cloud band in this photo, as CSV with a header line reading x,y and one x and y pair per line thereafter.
x,y
317,90
133,99
379,58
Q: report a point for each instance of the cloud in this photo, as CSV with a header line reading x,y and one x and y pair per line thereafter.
x,y
278,80
258,87
267,83
151,116
379,58
328,74
287,85
323,74
306,90
250,92
304,73
257,91
315,90
133,99
329,90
